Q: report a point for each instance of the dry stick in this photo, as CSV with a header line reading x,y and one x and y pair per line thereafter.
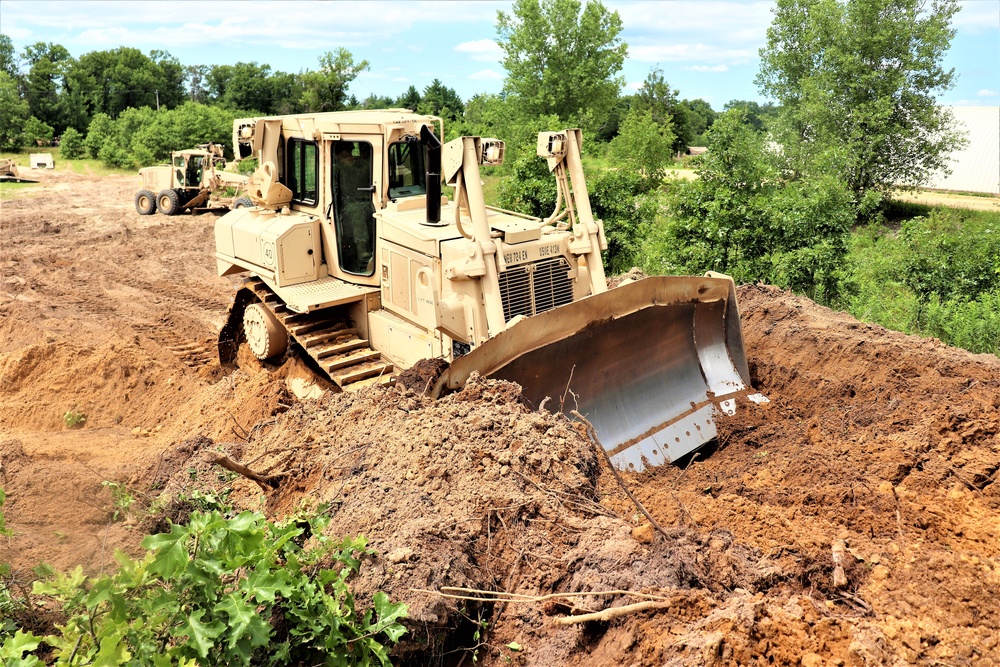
x,y
265,483
592,434
478,595
562,399
612,613
962,479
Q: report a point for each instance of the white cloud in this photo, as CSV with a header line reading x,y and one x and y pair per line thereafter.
x,y
485,50
724,19
635,85
978,17
707,68
986,92
696,52
485,75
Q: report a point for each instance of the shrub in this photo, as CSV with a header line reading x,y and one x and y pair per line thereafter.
x,y
618,198
35,130
745,216
226,592
644,146
71,144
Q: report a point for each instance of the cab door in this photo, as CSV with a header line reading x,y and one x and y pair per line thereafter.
x,y
355,167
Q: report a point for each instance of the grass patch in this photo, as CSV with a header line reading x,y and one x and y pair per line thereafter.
x,y
10,191
83,166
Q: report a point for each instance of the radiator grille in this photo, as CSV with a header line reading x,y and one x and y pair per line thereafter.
x,y
530,289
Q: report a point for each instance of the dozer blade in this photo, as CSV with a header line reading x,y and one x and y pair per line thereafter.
x,y
649,364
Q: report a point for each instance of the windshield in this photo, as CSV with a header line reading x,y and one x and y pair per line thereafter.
x,y
407,175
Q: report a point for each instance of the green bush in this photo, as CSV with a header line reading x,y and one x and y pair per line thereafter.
x,y
930,277
71,144
644,146
619,198
98,132
222,591
745,216
529,188
952,253
247,166
34,131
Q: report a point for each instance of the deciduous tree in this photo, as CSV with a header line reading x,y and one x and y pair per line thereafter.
x,y
862,77
563,58
326,88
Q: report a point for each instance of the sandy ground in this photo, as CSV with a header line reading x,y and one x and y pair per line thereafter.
x,y
935,198
883,444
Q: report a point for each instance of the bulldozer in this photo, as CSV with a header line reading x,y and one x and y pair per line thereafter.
x,y
194,179
357,261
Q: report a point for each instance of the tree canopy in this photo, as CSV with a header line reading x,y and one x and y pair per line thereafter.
x,y
860,79
562,58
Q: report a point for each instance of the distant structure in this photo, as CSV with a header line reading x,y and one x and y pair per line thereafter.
x,y
977,167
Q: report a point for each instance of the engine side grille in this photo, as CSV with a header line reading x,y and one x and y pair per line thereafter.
x,y
530,289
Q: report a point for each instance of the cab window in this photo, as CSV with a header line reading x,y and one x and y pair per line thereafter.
x,y
301,170
353,206
407,174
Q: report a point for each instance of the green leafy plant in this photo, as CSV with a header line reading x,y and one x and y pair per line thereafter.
x,y
74,419
121,496
220,591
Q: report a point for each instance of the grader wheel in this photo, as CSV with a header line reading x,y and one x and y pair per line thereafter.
x,y
265,335
169,202
145,202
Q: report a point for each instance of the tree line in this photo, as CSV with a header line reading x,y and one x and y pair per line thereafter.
x,y
854,85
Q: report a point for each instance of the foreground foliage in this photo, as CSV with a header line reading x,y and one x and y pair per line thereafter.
x,y
217,591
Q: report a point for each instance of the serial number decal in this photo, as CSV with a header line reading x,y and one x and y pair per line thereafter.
x,y
548,250
515,256
531,254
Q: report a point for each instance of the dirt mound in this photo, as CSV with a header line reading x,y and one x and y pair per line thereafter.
x,y
877,449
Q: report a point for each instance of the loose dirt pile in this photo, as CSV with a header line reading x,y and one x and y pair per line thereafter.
x,y
880,447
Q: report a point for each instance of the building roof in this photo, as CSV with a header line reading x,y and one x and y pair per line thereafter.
x,y
976,168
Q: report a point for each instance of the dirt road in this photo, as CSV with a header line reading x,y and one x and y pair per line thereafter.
x,y
881,447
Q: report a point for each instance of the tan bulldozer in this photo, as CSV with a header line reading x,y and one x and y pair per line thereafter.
x,y
194,179
358,263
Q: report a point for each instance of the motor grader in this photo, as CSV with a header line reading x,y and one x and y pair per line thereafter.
x,y
194,179
357,261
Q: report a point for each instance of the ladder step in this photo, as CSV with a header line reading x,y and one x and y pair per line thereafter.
x,y
353,360
312,340
364,373
337,348
308,327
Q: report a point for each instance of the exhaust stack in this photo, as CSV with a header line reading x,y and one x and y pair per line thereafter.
x,y
433,145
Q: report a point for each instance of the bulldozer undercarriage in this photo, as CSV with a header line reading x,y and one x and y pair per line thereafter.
x,y
262,320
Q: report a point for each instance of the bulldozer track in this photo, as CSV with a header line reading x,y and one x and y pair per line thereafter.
x,y
330,341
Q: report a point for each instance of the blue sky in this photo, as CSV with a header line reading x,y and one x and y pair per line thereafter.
x,y
705,49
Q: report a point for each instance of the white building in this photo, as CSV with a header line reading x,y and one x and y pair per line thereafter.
x,y
977,167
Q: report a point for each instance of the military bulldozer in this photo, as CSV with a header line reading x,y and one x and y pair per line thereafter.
x,y
357,262
194,179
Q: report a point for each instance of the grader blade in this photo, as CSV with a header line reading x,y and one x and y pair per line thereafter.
x,y
650,364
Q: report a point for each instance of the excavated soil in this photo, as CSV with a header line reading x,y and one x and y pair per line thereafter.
x,y
876,449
